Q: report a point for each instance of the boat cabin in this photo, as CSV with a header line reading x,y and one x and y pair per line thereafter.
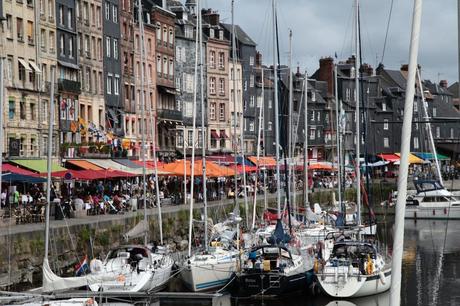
x,y
268,258
427,185
353,250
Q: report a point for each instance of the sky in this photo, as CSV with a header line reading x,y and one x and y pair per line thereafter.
x,y
324,28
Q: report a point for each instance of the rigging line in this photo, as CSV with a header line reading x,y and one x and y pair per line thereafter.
x,y
387,31
346,33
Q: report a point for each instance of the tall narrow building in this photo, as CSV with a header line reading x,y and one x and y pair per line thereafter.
x,y
69,86
90,52
112,70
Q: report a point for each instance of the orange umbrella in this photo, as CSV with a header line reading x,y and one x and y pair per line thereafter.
x,y
212,170
320,166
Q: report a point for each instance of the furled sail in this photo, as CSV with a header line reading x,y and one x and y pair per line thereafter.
x,y
138,231
52,282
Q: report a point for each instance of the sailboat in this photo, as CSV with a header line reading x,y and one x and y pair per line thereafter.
x,y
213,267
355,267
136,268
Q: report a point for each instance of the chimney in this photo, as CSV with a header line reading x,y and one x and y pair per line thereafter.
x,y
210,17
326,73
298,72
366,70
405,67
443,83
258,59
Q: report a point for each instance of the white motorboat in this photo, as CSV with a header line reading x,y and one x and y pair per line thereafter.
x,y
432,201
132,268
354,269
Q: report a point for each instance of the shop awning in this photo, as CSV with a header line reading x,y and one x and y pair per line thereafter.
x,y
35,67
413,159
83,164
17,170
389,157
264,161
430,156
127,163
221,159
37,165
19,178
24,64
214,135
69,65
150,163
223,135
212,170
248,169
109,164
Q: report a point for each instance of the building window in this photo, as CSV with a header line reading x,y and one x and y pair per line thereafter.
x,y
434,112
33,115
11,109
70,47
212,111
109,84
222,86
165,67
43,39
251,101
221,35
416,146
251,126
69,18
259,101
211,33
385,124
107,10
61,14
386,142
251,60
451,133
62,45
159,64
270,103
384,106
222,112
171,38
212,85
270,126
312,117
221,60
438,132
212,59
116,85
30,32
115,48
22,110
190,139
251,80
171,68
107,46
165,35
312,134
115,13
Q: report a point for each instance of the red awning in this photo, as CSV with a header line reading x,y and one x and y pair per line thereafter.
x,y
17,170
214,135
389,157
223,135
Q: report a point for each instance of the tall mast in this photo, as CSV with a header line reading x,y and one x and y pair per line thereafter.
x,y
337,134
277,132
428,127
305,144
357,116
259,134
144,162
398,242
458,46
192,163
203,134
289,129
48,156
2,94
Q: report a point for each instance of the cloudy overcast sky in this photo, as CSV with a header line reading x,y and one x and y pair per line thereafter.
x,y
324,27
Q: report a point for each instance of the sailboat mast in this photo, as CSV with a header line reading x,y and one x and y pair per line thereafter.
x,y
259,134
203,134
277,132
144,163
2,94
357,115
48,156
337,136
192,163
398,242
428,127
290,180
305,145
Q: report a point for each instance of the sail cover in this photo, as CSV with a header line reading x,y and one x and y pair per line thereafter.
x,y
52,282
138,231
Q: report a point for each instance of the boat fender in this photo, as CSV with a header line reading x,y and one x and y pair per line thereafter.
x,y
316,265
370,265
382,278
89,302
95,265
350,270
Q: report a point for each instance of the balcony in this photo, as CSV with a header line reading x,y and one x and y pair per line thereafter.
x,y
69,86
169,114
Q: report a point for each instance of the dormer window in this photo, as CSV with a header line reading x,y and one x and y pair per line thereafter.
x,y
221,35
211,33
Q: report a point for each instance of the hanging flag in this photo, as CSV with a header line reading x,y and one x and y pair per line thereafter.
x,y
82,267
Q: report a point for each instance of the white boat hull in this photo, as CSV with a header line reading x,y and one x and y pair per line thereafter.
x,y
419,212
336,282
208,276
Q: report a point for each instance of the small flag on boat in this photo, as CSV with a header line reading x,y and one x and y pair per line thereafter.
x,y
82,267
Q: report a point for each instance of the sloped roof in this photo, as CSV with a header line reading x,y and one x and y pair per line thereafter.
x,y
241,35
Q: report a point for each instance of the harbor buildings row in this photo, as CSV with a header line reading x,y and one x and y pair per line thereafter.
x,y
113,79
